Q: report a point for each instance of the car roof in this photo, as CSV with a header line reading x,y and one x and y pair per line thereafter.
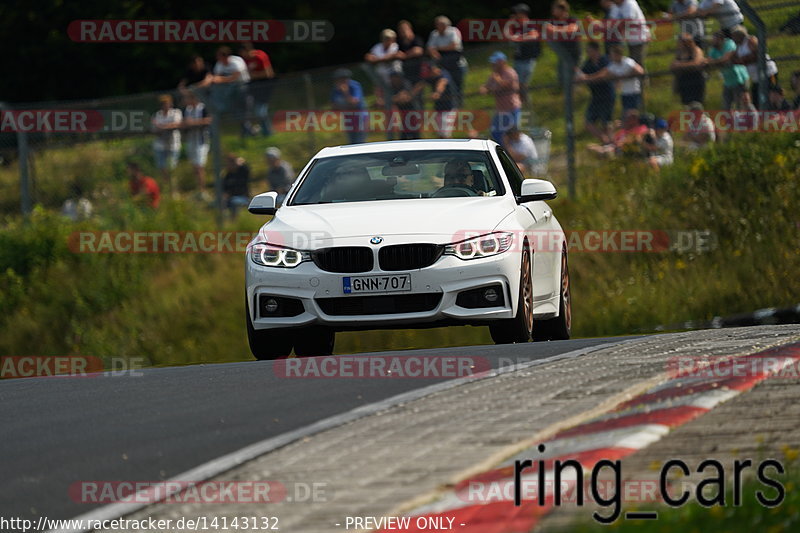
x,y
417,144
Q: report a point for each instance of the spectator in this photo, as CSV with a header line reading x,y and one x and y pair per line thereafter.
x,y
659,145
229,79
795,83
196,121
77,206
167,143
280,173
626,71
601,104
503,84
688,68
560,32
746,117
235,184
609,11
685,13
635,26
258,89
347,96
144,189
443,95
197,75
734,77
726,12
405,101
777,100
700,129
384,58
627,139
747,55
411,49
445,47
522,149
527,47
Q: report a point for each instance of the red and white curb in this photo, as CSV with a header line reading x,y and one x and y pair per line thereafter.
x,y
484,504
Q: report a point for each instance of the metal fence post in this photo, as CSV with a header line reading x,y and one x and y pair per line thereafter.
x,y
310,105
761,53
569,123
567,65
23,153
216,154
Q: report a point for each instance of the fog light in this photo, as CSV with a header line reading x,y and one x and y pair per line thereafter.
x,y
271,305
490,295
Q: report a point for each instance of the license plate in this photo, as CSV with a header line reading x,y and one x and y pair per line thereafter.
x,y
364,284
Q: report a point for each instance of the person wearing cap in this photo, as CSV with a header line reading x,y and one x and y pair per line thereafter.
x,y
527,47
347,96
280,173
734,77
167,144
659,145
503,84
747,55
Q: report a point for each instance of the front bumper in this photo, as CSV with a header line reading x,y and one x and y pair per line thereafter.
x,y
448,277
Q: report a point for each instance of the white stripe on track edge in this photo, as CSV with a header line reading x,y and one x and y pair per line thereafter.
x,y
231,460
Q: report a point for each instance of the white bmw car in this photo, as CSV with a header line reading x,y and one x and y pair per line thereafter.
x,y
406,234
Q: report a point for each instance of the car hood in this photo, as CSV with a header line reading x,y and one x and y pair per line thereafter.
x,y
437,220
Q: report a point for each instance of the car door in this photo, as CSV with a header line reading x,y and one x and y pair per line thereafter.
x,y
544,233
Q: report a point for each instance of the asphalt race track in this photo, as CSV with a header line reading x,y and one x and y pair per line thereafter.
x,y
152,426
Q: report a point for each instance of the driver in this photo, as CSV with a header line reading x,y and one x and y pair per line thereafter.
x,y
459,174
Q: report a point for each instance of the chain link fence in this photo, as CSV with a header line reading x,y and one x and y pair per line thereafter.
x,y
571,117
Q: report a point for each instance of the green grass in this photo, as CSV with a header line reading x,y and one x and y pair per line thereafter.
x,y
176,309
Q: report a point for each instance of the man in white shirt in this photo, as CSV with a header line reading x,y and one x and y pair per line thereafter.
x,y
230,76
167,143
684,12
521,148
726,12
627,72
635,31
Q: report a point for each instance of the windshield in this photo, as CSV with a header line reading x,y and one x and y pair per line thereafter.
x,y
399,175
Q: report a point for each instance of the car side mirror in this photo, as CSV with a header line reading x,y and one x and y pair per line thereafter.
x,y
533,190
264,204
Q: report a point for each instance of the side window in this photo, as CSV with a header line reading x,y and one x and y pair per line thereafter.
x,y
512,171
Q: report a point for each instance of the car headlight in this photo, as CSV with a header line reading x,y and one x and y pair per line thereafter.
x,y
483,246
269,255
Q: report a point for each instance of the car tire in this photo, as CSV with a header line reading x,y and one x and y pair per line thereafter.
x,y
519,328
560,327
315,340
267,344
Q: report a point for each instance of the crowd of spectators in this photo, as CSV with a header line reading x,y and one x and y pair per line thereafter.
x,y
411,73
